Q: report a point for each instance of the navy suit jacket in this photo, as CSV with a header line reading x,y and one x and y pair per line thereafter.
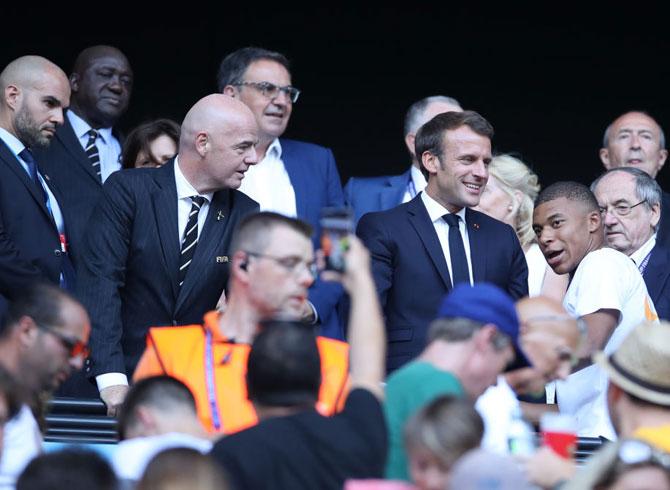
x,y
663,234
128,273
657,278
316,183
370,194
70,169
412,276
30,248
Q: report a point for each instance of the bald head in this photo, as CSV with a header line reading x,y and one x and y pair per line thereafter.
x,y
217,144
34,93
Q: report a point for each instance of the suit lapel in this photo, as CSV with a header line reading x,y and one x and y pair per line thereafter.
x,y
297,176
391,195
210,239
418,217
657,272
164,201
65,134
477,246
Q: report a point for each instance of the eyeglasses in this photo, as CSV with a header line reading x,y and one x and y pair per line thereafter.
x,y
73,346
291,263
619,209
270,90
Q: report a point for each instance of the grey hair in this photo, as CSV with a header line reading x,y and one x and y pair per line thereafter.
x,y
459,329
646,188
415,117
606,136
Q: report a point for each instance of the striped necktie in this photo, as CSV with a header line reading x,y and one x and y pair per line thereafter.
x,y
190,237
92,152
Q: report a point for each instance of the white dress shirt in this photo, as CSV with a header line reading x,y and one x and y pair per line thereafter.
x,y
416,184
184,192
269,184
109,147
641,253
435,212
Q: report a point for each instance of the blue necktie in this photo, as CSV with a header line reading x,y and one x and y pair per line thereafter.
x,y
459,262
27,157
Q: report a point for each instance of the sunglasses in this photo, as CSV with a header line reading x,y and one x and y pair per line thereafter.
x,y
73,346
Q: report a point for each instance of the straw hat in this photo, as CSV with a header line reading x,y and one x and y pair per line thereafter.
x,y
641,364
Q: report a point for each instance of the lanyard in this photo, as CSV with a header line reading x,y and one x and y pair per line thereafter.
x,y
643,264
209,376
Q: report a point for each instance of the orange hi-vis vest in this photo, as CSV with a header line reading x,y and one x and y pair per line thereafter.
x,y
182,352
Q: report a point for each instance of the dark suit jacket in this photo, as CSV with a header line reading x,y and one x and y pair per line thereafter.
x,y
317,184
370,194
657,278
70,169
411,272
128,273
663,233
30,247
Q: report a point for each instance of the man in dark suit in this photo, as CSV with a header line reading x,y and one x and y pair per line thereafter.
x,y
293,178
157,248
420,249
368,194
33,235
87,148
635,139
630,204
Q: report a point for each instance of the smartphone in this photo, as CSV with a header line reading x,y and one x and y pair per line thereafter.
x,y
336,226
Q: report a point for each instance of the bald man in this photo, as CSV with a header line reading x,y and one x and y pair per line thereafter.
x,y
87,148
33,232
157,247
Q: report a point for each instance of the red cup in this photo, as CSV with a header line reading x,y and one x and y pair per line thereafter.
x,y
559,433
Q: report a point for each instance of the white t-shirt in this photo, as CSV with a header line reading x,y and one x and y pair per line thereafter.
x,y
497,406
605,279
537,269
22,442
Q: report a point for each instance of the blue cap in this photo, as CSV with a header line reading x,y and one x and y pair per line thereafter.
x,y
486,303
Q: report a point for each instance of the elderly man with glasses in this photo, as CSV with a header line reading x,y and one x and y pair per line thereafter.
x,y
630,205
293,178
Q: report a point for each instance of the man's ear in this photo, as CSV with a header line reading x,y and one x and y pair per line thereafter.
x,y
410,138
605,158
202,143
430,162
230,91
594,220
26,330
12,96
661,161
74,82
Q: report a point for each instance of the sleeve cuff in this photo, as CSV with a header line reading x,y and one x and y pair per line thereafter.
x,y
111,379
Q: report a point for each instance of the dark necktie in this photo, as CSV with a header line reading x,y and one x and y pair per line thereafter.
x,y
459,262
27,156
190,237
92,152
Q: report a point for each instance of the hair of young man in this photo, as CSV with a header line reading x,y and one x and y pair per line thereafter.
x,y
461,330
284,366
572,191
646,188
254,231
163,393
430,137
415,112
183,468
447,427
234,66
40,301
73,469
606,135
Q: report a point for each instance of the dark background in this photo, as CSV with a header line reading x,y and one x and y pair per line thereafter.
x,y
549,78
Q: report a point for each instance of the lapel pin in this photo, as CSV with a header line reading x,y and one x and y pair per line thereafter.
x,y
475,226
219,216
221,259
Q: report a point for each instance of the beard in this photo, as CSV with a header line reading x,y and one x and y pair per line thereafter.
x,y
28,131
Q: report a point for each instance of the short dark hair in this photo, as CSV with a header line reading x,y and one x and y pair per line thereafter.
x,y
573,191
162,392
183,467
234,65
74,469
40,301
430,136
140,139
253,231
284,366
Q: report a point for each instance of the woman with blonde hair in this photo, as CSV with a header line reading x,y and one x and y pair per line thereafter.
x,y
509,196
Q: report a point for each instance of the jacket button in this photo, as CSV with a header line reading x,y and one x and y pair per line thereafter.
x,y
58,253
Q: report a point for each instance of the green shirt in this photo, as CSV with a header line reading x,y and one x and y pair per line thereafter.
x,y
408,390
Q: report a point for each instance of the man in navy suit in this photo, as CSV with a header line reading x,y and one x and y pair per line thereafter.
x,y
368,194
420,249
157,248
635,139
33,235
87,149
630,204
293,178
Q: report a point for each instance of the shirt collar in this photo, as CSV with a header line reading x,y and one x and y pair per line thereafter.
x,y
81,127
12,141
436,210
639,255
184,187
274,150
418,178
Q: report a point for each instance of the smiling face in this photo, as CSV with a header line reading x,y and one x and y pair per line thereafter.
x,y
458,176
625,233
566,231
496,202
634,140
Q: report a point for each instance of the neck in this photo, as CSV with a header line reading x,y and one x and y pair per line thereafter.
x,y
191,173
239,321
76,108
262,148
9,357
449,356
636,417
432,192
264,412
